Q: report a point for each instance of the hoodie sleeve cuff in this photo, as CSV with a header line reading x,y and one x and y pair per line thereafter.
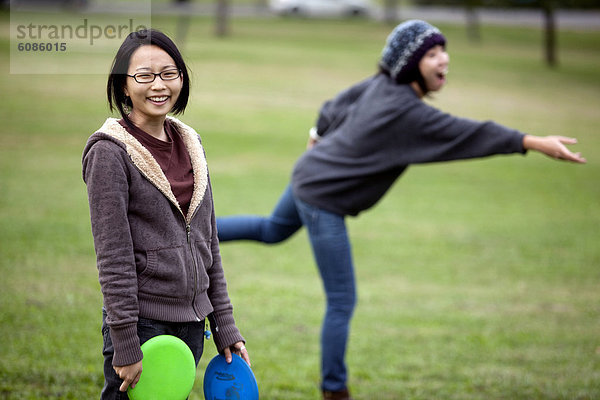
x,y
313,134
521,147
126,344
224,331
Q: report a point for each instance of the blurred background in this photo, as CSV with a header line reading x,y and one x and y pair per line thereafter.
x,y
477,279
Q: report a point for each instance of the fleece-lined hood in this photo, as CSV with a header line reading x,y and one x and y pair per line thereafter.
x,y
153,262
143,160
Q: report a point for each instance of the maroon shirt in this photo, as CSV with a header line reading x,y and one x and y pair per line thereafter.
x,y
145,254
173,158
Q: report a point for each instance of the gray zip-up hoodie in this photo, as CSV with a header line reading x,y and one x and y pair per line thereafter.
x,y
153,261
373,131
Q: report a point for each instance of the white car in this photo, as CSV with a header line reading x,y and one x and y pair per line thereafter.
x,y
321,8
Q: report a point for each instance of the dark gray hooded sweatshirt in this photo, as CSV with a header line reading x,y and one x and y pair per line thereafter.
x,y
373,131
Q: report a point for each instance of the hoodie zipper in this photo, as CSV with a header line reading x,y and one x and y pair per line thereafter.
x,y
187,228
188,231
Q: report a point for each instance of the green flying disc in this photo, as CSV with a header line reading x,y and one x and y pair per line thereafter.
x,y
168,370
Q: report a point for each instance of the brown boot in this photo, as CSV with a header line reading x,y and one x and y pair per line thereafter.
x,y
339,395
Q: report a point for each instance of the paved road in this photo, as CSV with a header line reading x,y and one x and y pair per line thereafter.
x,y
584,20
566,19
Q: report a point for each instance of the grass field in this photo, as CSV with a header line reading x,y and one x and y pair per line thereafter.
x,y
477,279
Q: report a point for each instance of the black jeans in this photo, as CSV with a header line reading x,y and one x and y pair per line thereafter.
x,y
192,333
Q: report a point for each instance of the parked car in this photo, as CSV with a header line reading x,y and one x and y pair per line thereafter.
x,y
322,8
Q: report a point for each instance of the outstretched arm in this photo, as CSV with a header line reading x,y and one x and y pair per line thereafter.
x,y
553,146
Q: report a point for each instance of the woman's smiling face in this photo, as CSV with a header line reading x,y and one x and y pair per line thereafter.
x,y
156,99
434,67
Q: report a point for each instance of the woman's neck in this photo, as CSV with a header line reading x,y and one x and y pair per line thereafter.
x,y
152,126
417,88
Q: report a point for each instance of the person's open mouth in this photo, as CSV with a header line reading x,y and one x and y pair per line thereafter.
x,y
158,100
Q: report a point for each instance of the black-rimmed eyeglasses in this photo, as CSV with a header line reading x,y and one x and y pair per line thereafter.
x,y
149,77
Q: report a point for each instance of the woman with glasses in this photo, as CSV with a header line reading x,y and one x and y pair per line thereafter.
x,y
152,216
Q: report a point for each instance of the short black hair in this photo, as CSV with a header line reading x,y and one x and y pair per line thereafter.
x,y
115,88
414,76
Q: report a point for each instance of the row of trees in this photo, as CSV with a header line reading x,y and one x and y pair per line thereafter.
x,y
547,7
391,12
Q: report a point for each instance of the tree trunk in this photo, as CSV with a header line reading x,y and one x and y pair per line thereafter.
x,y
390,12
473,30
222,18
550,32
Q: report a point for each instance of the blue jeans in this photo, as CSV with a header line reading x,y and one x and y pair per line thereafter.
x,y
332,251
283,222
192,333
333,254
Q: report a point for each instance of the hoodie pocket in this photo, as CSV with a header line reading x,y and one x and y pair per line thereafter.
x,y
204,260
168,272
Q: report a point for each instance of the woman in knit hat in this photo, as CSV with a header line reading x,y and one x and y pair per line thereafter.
x,y
363,141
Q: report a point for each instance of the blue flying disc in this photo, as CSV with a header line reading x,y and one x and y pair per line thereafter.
x,y
169,370
229,381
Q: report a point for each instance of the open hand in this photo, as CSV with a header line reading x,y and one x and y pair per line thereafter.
x,y
554,147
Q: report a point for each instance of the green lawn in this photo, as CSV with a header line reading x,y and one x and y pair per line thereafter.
x,y
477,279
